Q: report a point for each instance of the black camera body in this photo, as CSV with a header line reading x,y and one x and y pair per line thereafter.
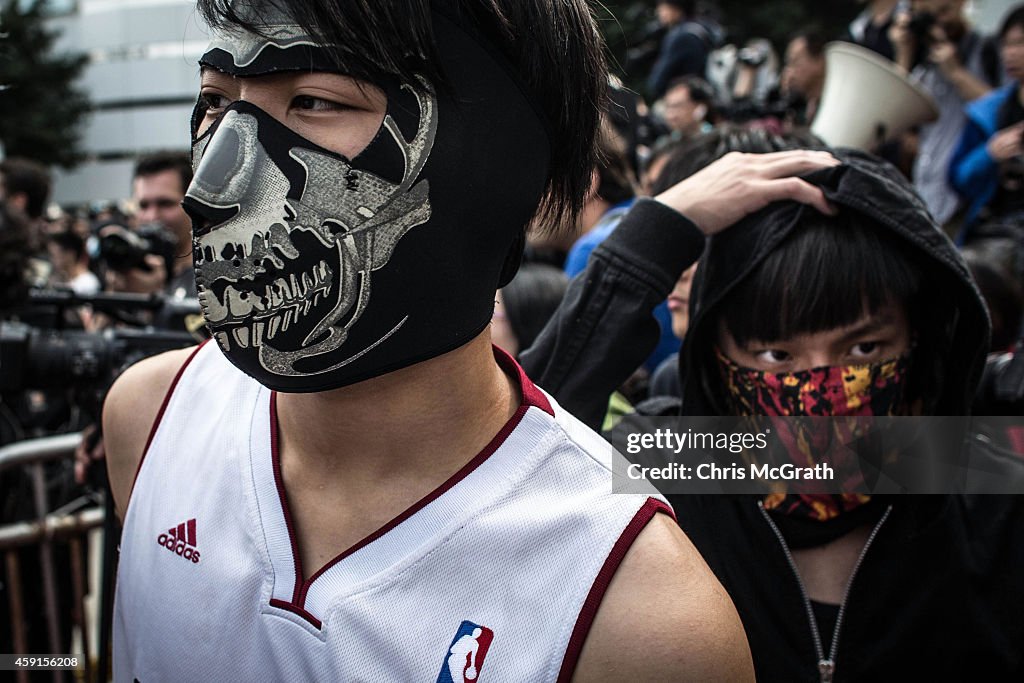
x,y
37,352
753,56
123,249
34,358
920,27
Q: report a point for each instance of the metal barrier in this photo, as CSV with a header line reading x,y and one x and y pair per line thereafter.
x,y
46,528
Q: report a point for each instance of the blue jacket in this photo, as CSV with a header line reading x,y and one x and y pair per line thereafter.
x,y
576,263
974,173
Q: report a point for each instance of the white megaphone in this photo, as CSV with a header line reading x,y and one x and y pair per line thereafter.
x,y
867,99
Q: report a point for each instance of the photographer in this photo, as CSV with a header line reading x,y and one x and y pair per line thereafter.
x,y
132,262
987,167
137,262
954,64
871,27
158,186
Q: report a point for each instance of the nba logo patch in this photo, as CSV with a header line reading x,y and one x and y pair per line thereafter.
x,y
466,654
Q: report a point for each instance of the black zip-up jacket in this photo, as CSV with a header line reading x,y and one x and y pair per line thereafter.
x,y
939,593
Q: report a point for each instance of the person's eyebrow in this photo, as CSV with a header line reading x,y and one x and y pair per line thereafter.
x,y
876,323
207,71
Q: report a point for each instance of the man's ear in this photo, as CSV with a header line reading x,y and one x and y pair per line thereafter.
x,y
700,111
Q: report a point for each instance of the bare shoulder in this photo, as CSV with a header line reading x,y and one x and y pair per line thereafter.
x,y
665,617
131,407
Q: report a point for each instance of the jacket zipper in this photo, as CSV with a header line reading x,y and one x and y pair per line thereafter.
x,y
826,666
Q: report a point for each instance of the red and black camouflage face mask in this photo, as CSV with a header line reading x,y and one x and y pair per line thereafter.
x,y
834,391
831,391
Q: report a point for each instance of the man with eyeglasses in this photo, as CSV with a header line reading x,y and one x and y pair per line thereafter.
x,y
158,186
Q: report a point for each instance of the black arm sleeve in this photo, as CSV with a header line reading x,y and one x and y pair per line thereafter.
x,y
604,328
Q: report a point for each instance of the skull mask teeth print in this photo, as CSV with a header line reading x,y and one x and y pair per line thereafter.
x,y
317,270
284,259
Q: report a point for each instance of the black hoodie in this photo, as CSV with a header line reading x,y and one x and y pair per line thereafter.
x,y
939,590
955,340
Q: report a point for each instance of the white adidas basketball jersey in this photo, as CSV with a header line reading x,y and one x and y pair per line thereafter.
x,y
495,576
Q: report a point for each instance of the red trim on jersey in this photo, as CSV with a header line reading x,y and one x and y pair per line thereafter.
x,y
283,497
531,396
160,413
604,577
274,602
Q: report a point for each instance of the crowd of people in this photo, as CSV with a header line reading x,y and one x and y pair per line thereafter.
x,y
140,246
358,225
964,164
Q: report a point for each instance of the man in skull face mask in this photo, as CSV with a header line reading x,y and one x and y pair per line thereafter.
x,y
350,455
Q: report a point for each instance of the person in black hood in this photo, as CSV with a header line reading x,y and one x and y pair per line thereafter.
x,y
831,588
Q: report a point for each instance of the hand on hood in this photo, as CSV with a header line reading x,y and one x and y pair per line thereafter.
x,y
739,184
952,340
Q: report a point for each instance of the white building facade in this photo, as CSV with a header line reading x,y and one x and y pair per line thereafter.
x,y
142,79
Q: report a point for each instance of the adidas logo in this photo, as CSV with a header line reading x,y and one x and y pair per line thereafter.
x,y
181,540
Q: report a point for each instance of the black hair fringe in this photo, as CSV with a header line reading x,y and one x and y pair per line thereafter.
x,y
829,273
552,45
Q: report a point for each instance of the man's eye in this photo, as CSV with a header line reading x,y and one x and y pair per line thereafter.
x,y
773,356
310,103
212,102
864,349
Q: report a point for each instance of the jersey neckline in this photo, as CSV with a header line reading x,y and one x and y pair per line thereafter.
x,y
531,396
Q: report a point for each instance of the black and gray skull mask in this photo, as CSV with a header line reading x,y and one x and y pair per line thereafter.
x,y
302,264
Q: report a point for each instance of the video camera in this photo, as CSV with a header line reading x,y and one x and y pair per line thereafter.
x,y
35,357
123,249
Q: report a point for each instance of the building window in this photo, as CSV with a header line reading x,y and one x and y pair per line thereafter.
x,y
52,8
